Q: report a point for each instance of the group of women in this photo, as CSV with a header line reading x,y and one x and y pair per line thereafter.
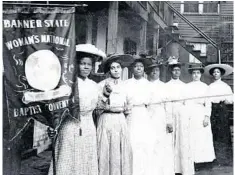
x,y
143,125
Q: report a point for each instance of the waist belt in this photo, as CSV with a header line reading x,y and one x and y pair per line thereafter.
x,y
112,112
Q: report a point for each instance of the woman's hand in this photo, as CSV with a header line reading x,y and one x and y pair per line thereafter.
x,y
206,121
51,132
169,128
107,90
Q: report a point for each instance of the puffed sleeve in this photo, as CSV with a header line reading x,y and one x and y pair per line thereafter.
x,y
229,94
128,104
102,100
168,105
207,102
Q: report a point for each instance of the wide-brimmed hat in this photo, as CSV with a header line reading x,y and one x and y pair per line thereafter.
x,y
195,66
227,69
43,70
125,60
90,49
173,61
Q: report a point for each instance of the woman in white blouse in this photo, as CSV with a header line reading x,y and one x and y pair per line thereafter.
x,y
221,94
199,110
76,144
162,153
141,135
114,148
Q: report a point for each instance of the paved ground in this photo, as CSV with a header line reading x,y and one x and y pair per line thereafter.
x,y
38,165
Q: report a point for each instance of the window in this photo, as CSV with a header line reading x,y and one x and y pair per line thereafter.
x,y
202,48
191,6
129,47
210,7
200,7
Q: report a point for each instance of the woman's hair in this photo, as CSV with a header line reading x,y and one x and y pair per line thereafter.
x,y
222,71
149,70
137,61
81,55
116,61
171,67
191,70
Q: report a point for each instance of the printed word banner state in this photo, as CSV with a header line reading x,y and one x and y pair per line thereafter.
x,y
39,64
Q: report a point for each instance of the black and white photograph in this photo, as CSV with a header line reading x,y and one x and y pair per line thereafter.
x,y
117,87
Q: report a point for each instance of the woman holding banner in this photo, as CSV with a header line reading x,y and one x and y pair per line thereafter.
x,y
76,144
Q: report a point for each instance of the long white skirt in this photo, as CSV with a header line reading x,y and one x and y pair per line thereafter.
x,y
181,141
163,156
142,141
202,139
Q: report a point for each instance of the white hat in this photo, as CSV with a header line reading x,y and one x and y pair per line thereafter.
x,y
43,70
91,49
172,60
227,68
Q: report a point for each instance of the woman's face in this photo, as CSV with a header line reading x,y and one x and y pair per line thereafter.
x,y
155,73
176,72
85,67
138,69
115,70
216,74
196,75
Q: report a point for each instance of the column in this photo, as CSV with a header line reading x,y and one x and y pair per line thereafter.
x,y
143,36
155,40
89,29
112,27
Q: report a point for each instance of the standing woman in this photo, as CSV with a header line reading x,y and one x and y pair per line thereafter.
x,y
162,157
76,144
222,95
178,120
199,111
140,124
114,149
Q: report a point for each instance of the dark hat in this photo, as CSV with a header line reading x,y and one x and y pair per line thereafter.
x,y
195,66
125,60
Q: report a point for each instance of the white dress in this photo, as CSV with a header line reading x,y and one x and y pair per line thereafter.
x,y
141,135
114,147
76,153
183,160
202,139
162,157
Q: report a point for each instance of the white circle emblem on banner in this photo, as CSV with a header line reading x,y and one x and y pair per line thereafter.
x,y
43,70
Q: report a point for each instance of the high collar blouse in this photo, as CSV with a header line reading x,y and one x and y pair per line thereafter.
x,y
118,97
175,89
220,92
158,92
138,91
196,92
88,95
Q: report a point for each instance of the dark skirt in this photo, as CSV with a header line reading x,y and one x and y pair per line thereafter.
x,y
220,123
221,133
